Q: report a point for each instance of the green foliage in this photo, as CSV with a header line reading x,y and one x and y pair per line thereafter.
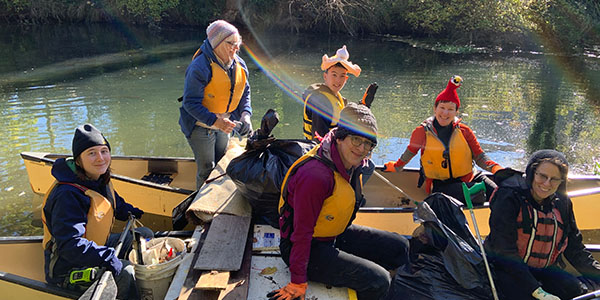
x,y
597,168
150,10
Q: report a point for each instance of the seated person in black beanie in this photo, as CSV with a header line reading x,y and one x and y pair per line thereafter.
x,y
78,214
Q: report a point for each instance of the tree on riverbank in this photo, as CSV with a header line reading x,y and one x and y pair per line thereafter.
x,y
562,26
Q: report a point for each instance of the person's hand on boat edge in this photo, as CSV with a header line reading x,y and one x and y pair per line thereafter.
x,y
369,95
540,294
292,291
390,166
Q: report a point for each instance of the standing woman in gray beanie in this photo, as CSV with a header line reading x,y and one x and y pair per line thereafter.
x,y
78,214
216,97
532,228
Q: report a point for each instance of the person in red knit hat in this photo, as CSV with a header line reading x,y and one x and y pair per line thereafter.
x,y
448,149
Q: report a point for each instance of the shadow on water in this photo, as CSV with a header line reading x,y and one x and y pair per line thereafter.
x,y
543,130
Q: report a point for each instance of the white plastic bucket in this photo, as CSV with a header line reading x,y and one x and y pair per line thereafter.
x,y
153,280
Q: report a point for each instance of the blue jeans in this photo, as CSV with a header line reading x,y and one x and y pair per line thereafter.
x,y
359,259
209,146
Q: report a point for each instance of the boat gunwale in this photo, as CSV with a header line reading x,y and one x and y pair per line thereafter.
x,y
46,158
38,285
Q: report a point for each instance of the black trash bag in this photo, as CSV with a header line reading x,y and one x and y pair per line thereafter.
x,y
259,172
445,259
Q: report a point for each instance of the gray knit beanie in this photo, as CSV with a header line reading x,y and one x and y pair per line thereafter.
x,y
218,31
358,120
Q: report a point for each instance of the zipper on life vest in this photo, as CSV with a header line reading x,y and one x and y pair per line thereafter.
x,y
553,239
232,83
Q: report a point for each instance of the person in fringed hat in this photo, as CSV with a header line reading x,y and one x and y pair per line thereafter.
x,y
78,213
448,149
532,228
323,101
321,194
216,97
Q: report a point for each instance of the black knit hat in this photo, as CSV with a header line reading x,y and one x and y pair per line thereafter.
x,y
87,136
537,156
357,119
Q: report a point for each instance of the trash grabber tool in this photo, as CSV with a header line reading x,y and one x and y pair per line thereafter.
x,y
479,187
592,295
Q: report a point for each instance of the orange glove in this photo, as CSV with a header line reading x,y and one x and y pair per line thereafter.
x,y
390,166
496,168
292,291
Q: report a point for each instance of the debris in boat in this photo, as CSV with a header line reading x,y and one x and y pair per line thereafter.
x,y
268,271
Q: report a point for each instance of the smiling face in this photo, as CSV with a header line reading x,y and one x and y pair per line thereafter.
x,y
335,78
547,178
353,149
228,48
445,112
95,161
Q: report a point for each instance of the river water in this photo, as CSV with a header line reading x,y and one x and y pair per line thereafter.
x,y
126,82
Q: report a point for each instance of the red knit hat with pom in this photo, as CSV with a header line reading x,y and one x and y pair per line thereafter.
x,y
449,94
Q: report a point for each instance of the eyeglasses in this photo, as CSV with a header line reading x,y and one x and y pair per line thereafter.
x,y
234,44
357,141
542,178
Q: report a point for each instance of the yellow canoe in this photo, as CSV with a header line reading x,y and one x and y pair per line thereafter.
x,y
158,184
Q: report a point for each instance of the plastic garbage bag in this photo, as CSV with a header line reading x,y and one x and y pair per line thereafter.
x,y
259,172
445,259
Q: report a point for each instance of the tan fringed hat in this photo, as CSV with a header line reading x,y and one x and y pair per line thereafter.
x,y
341,56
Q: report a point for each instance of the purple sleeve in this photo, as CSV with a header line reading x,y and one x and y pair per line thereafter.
x,y
308,188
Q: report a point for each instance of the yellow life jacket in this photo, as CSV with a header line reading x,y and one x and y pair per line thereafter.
x,y
100,216
337,102
219,97
337,209
459,160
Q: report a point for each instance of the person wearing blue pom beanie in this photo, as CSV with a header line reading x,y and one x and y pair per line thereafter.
x,y
78,213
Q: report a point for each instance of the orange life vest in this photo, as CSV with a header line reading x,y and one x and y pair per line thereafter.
x,y
337,209
541,240
100,216
458,160
219,96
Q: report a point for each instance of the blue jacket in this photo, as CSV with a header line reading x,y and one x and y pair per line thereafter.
x,y
197,76
66,217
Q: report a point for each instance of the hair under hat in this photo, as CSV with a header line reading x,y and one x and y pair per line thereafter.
x,y
218,31
87,136
449,93
357,120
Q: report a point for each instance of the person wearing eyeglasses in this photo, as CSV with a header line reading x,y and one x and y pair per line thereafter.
x,y
216,97
321,194
448,150
532,228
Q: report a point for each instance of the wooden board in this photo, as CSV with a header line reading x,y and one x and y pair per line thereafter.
x,y
213,280
279,276
223,249
237,289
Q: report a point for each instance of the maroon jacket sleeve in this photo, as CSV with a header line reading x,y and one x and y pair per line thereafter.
x,y
307,190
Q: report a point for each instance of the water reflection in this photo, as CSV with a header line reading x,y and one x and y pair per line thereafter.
x,y
504,100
